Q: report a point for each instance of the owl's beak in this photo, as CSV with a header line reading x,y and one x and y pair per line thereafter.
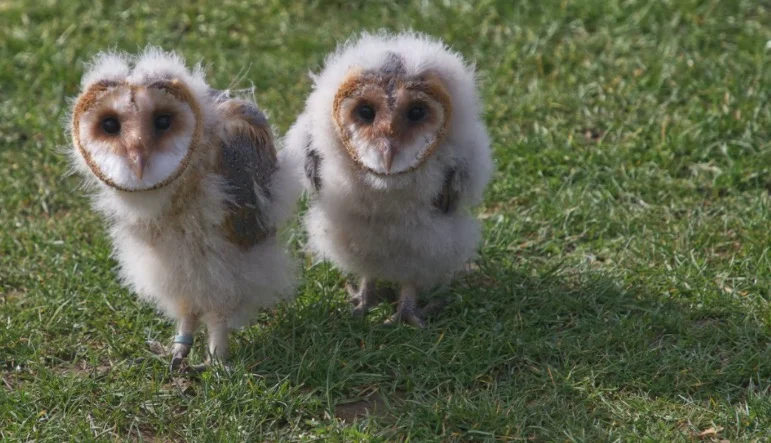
x,y
388,156
137,163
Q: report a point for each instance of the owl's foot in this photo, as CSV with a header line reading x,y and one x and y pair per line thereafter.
x,y
210,365
183,341
179,350
408,311
366,296
412,318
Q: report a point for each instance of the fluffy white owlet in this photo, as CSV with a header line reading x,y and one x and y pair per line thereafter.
x,y
393,152
184,175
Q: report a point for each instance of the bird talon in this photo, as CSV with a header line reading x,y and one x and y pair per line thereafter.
x,y
408,311
179,351
176,362
363,297
201,367
352,289
360,306
411,318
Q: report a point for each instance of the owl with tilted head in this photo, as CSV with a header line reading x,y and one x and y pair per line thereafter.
x,y
393,151
185,176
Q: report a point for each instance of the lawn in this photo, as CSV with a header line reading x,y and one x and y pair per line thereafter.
x,y
624,286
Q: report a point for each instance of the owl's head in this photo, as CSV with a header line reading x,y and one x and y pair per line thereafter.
x,y
396,99
138,119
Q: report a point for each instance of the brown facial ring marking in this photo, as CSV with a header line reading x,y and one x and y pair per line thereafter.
x,y
430,85
175,87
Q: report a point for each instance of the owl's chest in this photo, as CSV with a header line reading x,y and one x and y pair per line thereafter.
x,y
177,239
374,214
197,231
386,204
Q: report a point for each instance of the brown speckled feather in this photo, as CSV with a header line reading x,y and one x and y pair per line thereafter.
x,y
247,161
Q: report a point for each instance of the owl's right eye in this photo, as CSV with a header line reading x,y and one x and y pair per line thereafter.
x,y
111,125
366,113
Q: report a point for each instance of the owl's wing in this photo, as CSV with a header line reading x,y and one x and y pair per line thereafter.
x,y
455,183
247,161
469,173
447,199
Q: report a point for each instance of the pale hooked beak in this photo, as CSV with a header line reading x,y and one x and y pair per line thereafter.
x,y
388,154
137,162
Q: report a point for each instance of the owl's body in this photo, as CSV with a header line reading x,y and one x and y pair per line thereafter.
x,y
394,153
390,228
185,177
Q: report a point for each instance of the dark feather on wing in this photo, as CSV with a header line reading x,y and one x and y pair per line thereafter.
x,y
247,162
447,199
312,166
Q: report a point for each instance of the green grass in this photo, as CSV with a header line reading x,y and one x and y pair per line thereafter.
x,y
624,286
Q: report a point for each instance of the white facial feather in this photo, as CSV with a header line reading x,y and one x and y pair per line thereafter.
x,y
166,157
409,155
159,167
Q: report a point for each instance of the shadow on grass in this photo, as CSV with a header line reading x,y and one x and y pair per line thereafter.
x,y
517,354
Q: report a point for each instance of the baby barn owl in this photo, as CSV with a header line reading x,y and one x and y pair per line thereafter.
x,y
184,176
393,152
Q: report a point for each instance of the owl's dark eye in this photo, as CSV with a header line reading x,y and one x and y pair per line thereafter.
x,y
162,122
366,113
416,113
111,125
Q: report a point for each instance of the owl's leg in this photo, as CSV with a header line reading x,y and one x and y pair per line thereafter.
x,y
183,341
218,338
364,297
408,311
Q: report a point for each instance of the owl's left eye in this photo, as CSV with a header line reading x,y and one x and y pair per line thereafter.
x,y
162,122
111,125
416,113
366,113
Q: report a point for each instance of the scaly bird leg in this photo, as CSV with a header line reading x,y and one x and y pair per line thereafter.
x,y
183,341
364,297
218,339
407,311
